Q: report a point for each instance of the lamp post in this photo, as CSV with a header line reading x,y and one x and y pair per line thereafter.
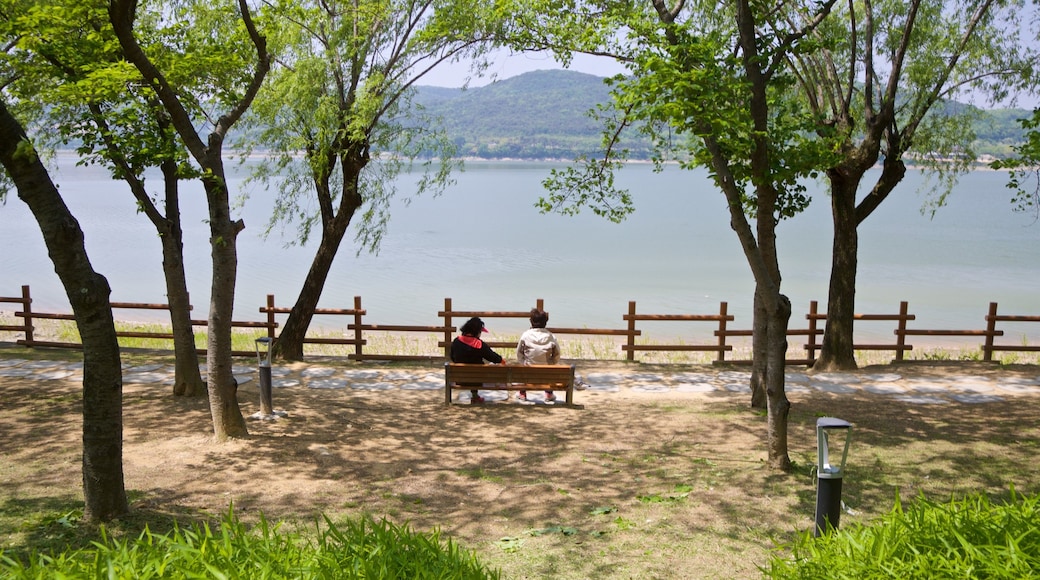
x,y
829,475
263,361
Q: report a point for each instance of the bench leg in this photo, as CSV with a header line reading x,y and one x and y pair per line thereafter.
x,y
570,394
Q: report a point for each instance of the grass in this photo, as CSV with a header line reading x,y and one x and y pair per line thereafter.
x,y
361,548
969,537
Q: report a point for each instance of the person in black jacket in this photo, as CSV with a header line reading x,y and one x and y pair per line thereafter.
x,y
468,348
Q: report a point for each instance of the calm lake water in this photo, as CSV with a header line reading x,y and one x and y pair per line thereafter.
x,y
484,245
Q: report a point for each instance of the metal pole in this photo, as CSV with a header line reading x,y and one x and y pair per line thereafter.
x,y
828,505
267,411
266,405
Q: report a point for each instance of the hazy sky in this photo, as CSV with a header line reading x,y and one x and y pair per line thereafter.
x,y
507,65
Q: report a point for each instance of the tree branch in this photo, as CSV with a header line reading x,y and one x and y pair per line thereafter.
x,y
263,66
122,14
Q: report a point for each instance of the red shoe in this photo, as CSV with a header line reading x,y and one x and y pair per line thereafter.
x,y
550,397
476,400
522,396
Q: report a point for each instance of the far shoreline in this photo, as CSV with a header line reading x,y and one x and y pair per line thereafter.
x,y
980,164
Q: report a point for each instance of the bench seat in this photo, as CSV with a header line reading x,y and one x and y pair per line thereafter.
x,y
508,378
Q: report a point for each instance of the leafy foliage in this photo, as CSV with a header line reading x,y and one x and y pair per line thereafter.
x,y
355,549
546,116
688,94
341,97
682,491
1024,176
966,538
888,76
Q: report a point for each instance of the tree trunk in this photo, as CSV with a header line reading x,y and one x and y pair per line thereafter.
x,y
104,493
779,406
335,222
228,421
187,381
837,352
760,352
102,463
289,345
187,378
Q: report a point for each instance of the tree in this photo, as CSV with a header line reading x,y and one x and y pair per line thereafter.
x,y
879,84
341,97
104,494
710,101
72,64
1024,168
232,62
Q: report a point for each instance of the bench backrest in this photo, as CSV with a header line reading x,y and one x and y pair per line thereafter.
x,y
533,374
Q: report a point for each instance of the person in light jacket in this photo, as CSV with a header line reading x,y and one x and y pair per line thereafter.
x,y
538,346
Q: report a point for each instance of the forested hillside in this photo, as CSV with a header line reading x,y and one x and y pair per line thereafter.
x,y
543,115
536,115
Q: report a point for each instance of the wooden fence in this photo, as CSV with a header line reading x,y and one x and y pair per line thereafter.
x,y
27,315
721,346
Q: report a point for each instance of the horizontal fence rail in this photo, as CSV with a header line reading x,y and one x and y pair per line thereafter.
x,y
722,346
27,328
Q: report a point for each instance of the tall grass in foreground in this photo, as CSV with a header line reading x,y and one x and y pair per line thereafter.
x,y
967,538
357,549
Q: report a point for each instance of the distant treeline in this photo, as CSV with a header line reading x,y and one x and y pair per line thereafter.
x,y
543,115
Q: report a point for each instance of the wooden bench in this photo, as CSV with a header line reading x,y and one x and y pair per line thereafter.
x,y
508,378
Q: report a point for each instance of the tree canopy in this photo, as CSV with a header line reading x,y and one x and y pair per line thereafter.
x,y
341,95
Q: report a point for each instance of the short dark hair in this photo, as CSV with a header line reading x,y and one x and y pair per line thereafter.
x,y
539,318
473,327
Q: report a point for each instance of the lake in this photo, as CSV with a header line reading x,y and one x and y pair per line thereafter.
x,y
484,244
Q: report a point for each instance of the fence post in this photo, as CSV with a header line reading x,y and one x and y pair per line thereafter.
x,y
810,348
631,355
447,328
27,312
358,335
270,316
723,309
991,331
901,331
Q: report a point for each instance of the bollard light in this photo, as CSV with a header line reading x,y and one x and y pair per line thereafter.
x,y
263,362
831,433
263,351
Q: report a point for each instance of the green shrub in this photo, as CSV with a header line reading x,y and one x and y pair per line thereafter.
x,y
968,538
362,548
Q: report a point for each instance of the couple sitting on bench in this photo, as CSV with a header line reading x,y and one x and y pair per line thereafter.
x,y
537,346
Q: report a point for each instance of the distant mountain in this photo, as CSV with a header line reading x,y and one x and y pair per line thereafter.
x,y
536,115
543,115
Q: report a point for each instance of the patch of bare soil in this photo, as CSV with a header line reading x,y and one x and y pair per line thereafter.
x,y
624,485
